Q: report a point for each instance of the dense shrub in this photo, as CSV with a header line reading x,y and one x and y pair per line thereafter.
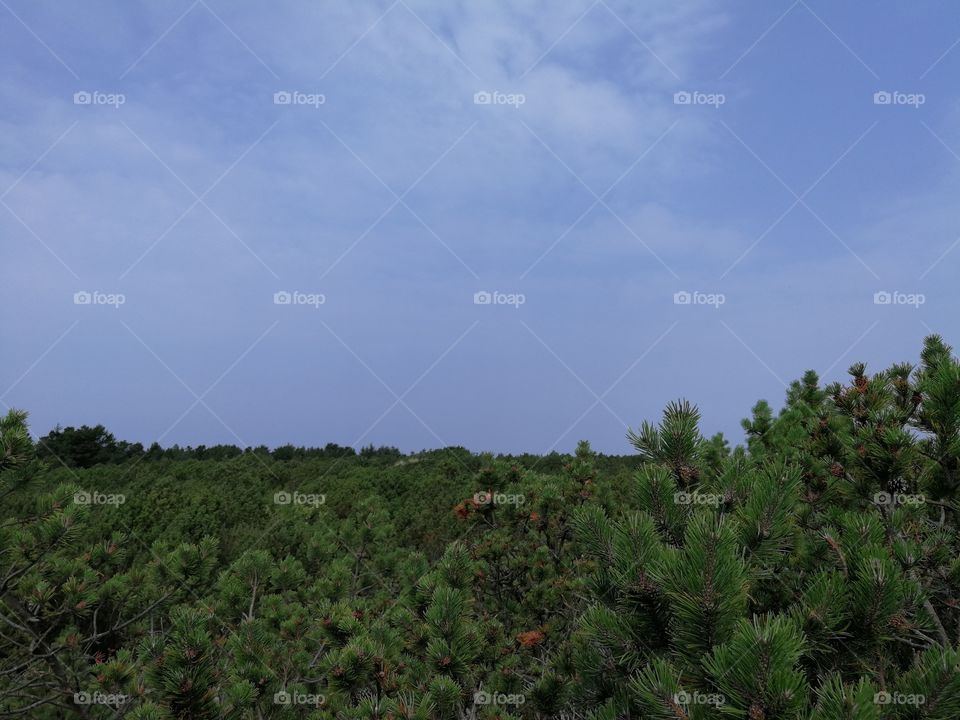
x,y
812,573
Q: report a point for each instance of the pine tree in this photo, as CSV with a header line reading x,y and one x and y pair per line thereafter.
x,y
811,574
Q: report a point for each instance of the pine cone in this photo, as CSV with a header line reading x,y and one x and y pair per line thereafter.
x,y
688,474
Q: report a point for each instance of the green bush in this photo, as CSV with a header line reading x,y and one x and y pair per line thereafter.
x,y
813,573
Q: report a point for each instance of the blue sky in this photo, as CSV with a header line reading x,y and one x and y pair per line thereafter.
x,y
585,196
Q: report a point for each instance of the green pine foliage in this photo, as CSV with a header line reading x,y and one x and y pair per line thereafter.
x,y
812,573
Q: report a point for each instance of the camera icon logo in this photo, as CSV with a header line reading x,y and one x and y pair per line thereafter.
x,y
282,298
282,97
482,98
82,498
82,698
882,298
482,498
482,298
682,298
281,698
82,98
882,97
82,298
282,498
481,697
682,98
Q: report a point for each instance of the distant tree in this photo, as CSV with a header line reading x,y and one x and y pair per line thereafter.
x,y
81,447
126,451
286,453
369,452
155,452
335,451
223,452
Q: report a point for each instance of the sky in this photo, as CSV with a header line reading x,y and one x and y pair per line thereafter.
x,y
502,225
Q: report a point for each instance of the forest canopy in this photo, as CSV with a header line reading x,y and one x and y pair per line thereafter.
x,y
811,573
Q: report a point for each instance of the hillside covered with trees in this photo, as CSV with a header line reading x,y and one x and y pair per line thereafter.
x,y
813,573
